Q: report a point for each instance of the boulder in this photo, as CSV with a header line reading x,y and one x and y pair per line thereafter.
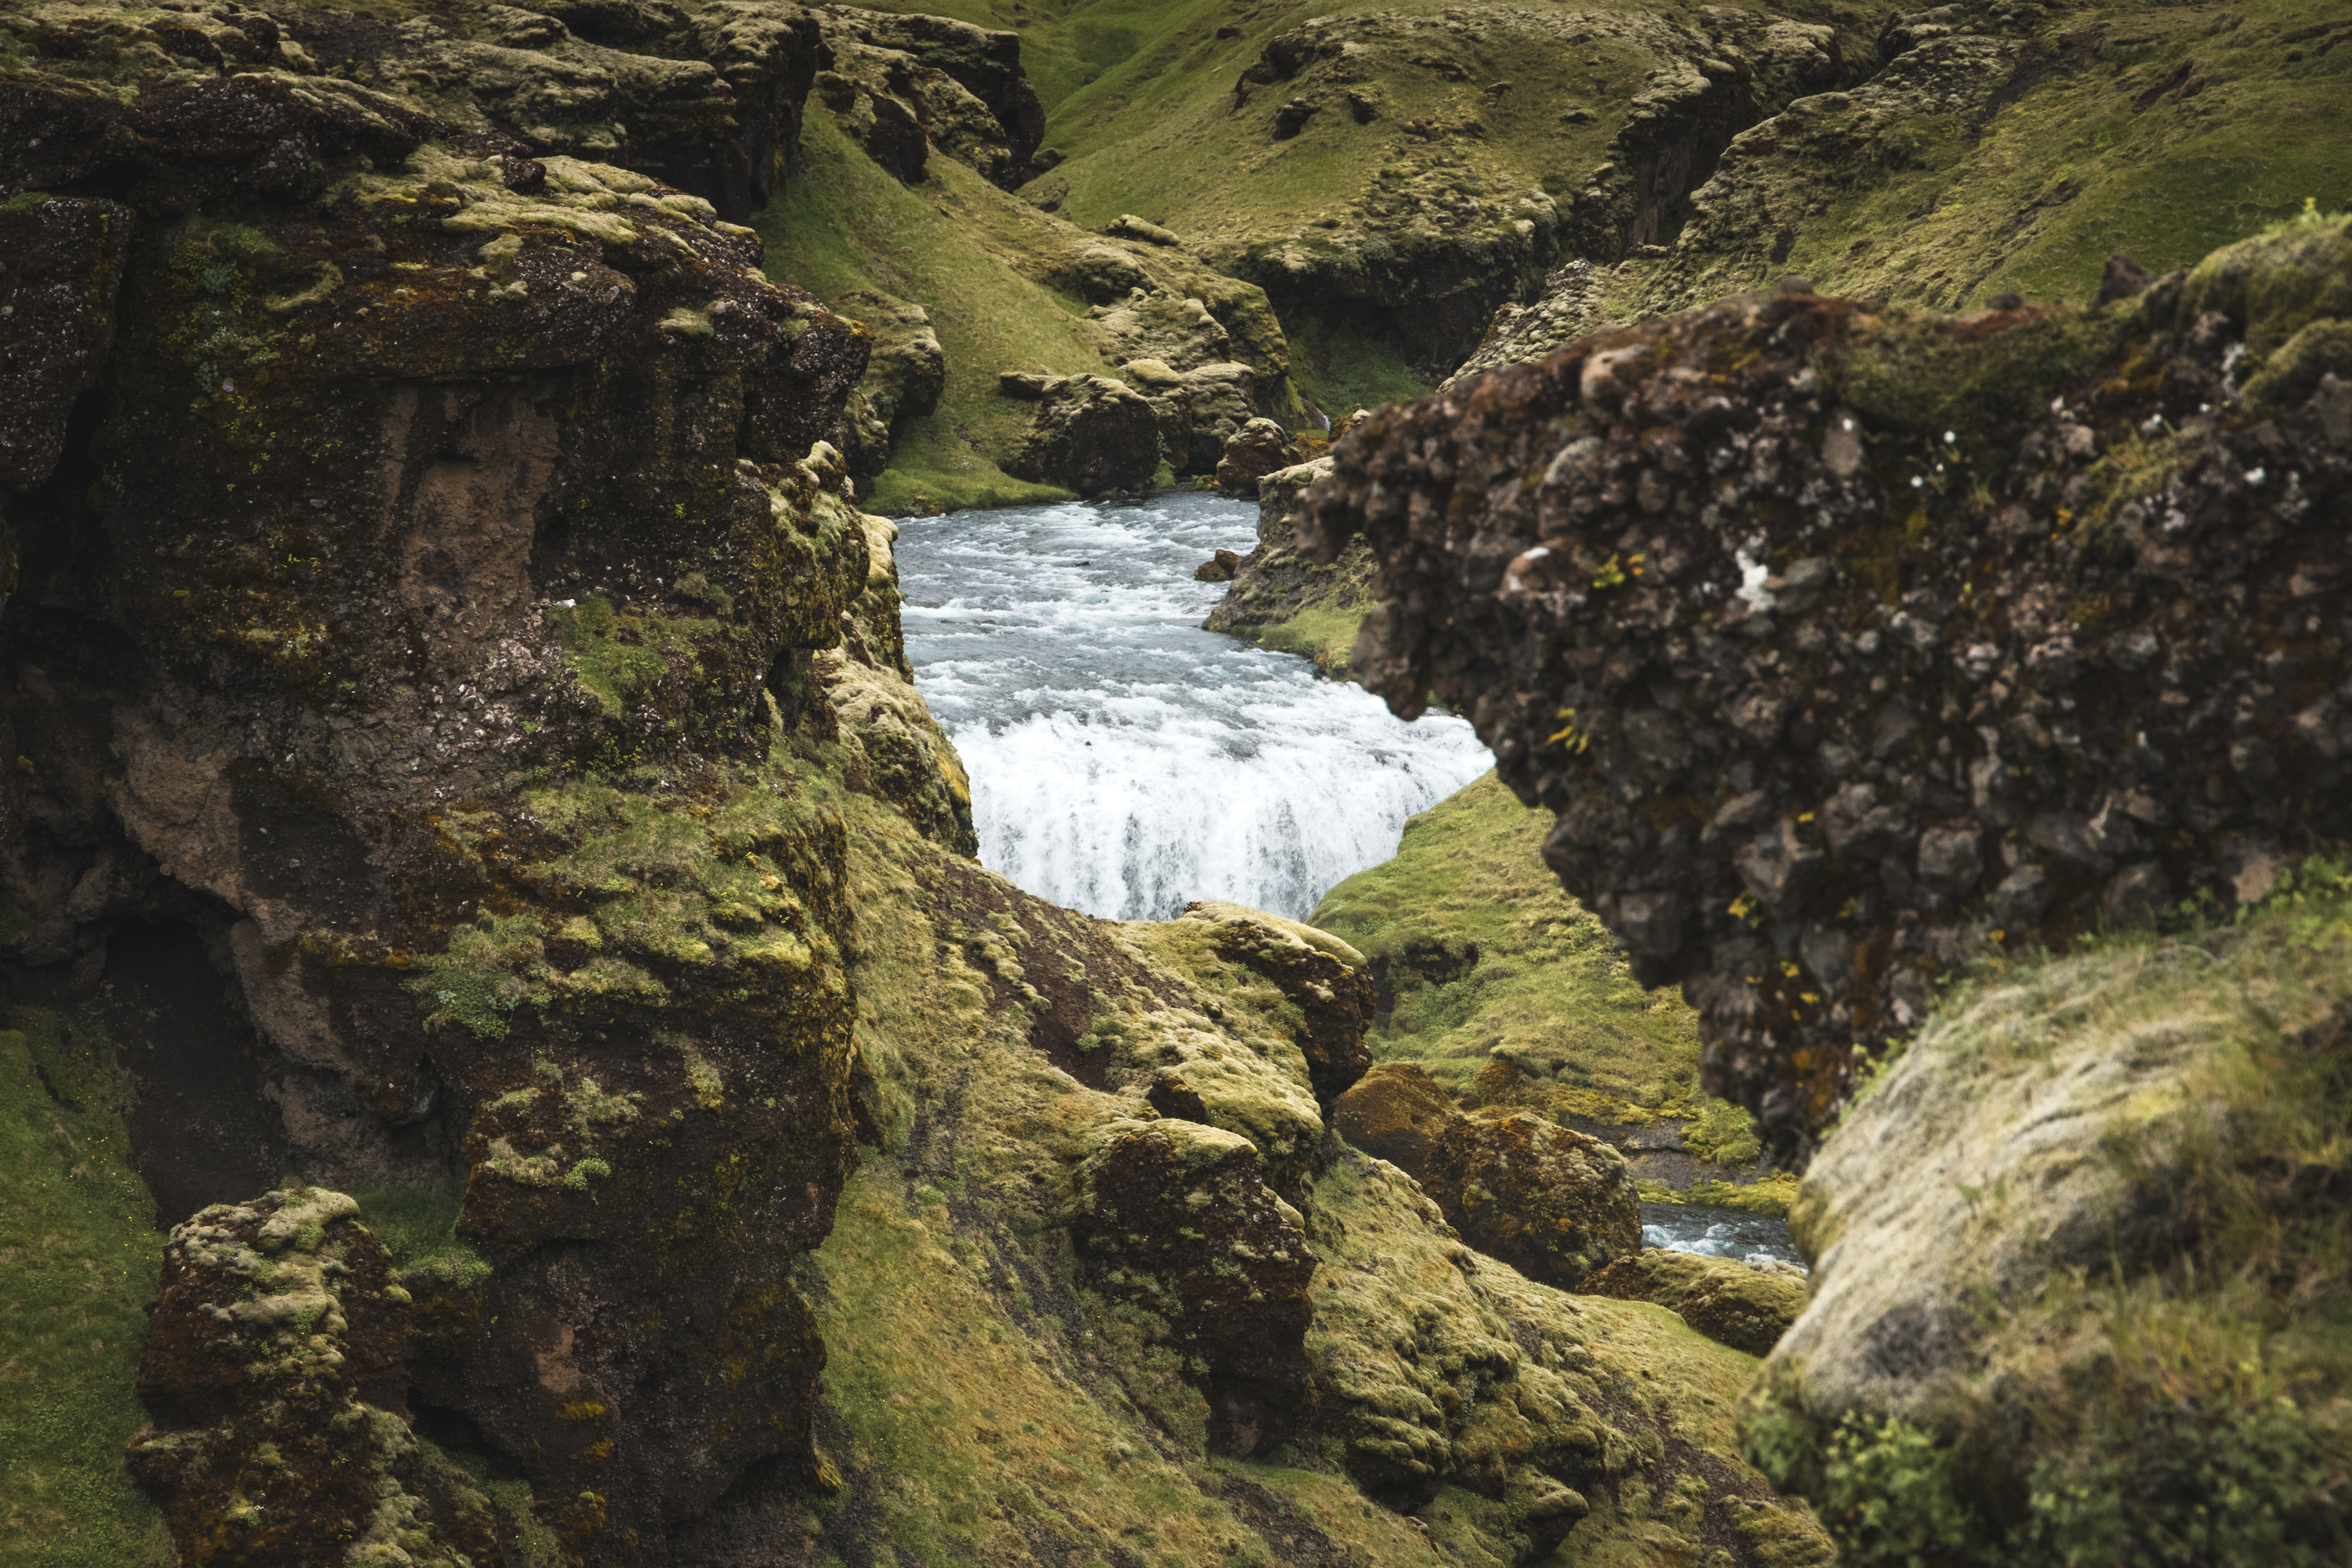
x,y
1733,1301
1255,450
1553,1202
1091,434
1199,409
1175,1222
2031,1236
1806,766
1327,981
1218,568
276,1369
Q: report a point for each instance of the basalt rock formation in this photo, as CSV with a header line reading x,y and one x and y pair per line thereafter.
x,y
403,616
1847,643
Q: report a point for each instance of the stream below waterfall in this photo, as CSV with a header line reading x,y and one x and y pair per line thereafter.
x,y
1123,761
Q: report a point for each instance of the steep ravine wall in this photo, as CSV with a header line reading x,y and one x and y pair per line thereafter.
x,y
1846,643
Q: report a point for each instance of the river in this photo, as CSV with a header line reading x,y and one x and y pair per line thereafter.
x,y
1123,761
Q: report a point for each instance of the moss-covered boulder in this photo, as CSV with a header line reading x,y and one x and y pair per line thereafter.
x,y
1251,453
2053,1242
276,1369
1090,433
1553,1202
1176,1226
1745,1304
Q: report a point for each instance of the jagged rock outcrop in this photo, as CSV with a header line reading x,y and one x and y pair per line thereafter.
x,y
401,634
276,1369
904,85
1846,642
1090,433
1553,1202
906,370
1274,583
1747,1305
1255,450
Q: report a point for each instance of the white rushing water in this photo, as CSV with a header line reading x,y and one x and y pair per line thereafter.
x,y
1123,761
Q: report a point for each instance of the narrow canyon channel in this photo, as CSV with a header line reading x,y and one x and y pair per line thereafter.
x,y
1124,761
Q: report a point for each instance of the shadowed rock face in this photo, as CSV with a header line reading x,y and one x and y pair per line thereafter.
x,y
1844,642
409,587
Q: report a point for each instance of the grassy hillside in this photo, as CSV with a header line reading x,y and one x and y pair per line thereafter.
x,y
1549,1015
848,225
79,1255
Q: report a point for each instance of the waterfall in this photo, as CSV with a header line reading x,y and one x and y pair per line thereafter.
x,y
1125,762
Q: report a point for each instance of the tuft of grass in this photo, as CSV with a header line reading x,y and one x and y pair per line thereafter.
x,y
417,1227
79,1258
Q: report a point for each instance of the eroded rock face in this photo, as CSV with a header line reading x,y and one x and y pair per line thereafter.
x,y
406,627
1274,582
904,85
1553,1202
1732,1301
1845,642
276,1369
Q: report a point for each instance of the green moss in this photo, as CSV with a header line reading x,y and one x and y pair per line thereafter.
x,y
1325,633
489,970
79,1258
2185,1398
1550,1015
417,1227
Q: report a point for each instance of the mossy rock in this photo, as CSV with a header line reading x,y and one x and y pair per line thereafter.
x,y
1731,1301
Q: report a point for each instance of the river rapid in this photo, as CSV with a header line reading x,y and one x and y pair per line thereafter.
x,y
1123,761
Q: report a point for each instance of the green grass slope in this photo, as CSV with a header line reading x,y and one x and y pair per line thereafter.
x,y
847,224
79,1255
1549,1017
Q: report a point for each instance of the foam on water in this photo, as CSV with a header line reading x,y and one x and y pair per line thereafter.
x,y
1123,761
1716,1233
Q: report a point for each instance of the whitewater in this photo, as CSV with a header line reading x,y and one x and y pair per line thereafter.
x,y
1124,761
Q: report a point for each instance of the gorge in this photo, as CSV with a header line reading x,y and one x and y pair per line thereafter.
x,y
576,992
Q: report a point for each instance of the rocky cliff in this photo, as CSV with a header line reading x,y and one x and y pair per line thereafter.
x,y
1846,642
478,868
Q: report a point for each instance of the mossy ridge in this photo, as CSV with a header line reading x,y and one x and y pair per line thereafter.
x,y
1548,1017
2186,1389
79,1258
